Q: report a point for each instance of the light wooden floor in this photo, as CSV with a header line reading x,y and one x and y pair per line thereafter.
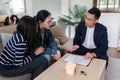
x,y
112,52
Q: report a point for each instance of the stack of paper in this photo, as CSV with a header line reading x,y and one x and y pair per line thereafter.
x,y
77,59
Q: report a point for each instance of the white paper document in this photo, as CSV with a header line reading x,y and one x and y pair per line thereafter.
x,y
77,60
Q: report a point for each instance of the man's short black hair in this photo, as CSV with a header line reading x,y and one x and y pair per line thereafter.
x,y
95,11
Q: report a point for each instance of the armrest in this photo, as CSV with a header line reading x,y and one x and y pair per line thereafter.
x,y
68,45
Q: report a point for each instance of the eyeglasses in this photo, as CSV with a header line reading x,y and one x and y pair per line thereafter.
x,y
89,19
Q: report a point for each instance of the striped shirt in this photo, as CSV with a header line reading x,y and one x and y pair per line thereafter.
x,y
13,55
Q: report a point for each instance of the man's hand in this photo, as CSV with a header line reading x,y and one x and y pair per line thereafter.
x,y
57,55
90,55
39,50
75,47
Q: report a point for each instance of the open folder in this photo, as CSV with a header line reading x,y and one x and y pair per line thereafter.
x,y
77,59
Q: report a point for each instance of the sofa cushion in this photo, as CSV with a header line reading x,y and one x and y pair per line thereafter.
x,y
5,38
58,33
6,29
68,45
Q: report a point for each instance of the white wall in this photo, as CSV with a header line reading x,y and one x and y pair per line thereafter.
x,y
29,9
87,3
64,7
53,6
112,22
65,4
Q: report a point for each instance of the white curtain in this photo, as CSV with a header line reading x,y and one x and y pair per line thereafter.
x,y
17,6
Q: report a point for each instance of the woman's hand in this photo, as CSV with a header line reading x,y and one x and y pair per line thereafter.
x,y
39,50
57,55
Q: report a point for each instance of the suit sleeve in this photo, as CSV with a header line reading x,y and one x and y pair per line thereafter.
x,y
103,44
77,38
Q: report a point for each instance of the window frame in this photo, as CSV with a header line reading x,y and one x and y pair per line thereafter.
x,y
107,9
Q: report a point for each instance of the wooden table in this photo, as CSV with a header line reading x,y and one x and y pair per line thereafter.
x,y
95,71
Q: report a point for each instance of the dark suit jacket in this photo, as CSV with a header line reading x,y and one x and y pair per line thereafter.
x,y
100,38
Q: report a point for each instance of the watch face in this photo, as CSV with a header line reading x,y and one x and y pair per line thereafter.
x,y
14,18
53,23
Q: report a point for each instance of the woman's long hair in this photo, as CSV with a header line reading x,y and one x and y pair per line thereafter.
x,y
42,15
27,27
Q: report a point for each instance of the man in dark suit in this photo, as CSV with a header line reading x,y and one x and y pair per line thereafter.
x,y
91,38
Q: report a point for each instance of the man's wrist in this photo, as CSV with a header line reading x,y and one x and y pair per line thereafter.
x,y
94,54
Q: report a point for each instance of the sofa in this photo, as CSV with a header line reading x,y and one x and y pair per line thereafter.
x,y
60,38
6,29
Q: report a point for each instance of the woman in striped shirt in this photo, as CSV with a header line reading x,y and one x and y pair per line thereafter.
x,y
19,56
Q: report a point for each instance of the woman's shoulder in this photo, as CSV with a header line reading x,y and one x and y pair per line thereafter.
x,y
18,37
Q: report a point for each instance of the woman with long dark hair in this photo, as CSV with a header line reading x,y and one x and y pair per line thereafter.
x,y
19,56
45,39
